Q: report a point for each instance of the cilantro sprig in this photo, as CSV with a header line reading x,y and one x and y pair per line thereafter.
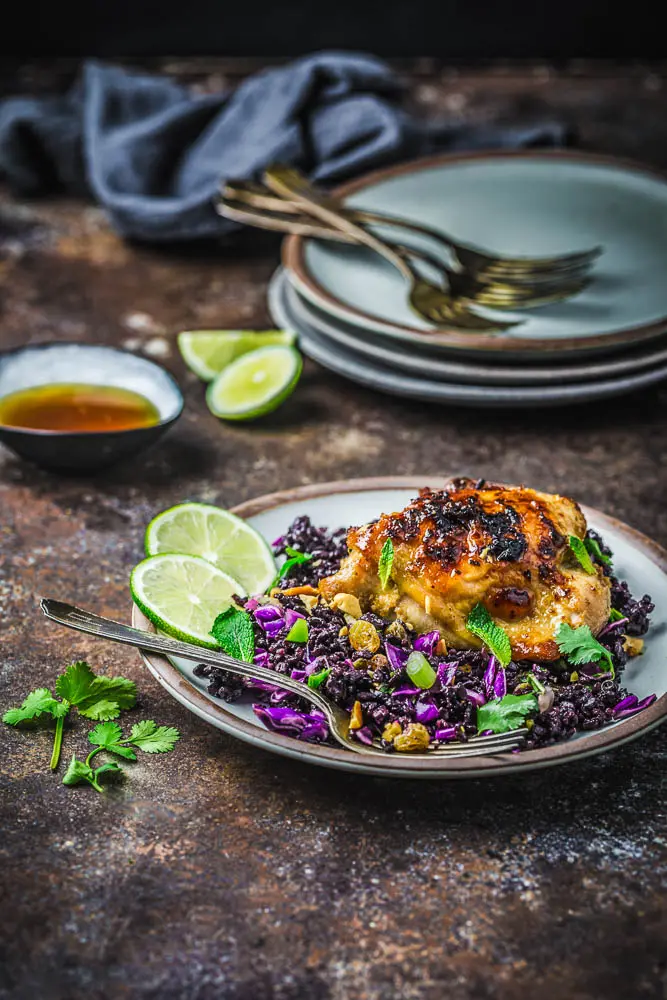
x,y
506,713
481,624
579,645
94,697
385,562
107,737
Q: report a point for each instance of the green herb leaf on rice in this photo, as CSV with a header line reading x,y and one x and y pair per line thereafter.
x,y
481,624
385,562
507,713
580,553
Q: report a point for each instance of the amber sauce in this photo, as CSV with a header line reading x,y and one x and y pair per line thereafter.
x,y
78,408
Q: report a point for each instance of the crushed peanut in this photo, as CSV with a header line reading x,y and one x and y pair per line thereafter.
x,y
297,591
414,738
377,662
356,717
347,603
391,731
309,601
441,648
632,645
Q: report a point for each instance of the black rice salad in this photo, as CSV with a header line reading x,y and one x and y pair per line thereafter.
x,y
360,662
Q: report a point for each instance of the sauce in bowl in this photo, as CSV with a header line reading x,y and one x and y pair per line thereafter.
x,y
77,408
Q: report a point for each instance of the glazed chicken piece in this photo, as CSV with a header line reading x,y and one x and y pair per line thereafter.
x,y
506,547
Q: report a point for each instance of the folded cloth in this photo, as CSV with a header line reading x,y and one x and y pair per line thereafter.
x,y
153,153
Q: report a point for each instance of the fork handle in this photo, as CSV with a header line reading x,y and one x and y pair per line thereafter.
x,y
106,628
291,184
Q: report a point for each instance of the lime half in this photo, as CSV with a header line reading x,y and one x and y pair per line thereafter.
x,y
255,383
207,352
183,595
199,529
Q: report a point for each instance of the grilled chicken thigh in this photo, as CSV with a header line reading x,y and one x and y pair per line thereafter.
x,y
506,547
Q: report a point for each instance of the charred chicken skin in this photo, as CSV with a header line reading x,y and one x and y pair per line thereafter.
x,y
505,547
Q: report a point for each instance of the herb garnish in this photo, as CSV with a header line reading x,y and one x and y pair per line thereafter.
x,y
146,736
594,550
615,616
506,713
385,562
579,645
481,624
580,553
95,697
296,558
233,630
318,679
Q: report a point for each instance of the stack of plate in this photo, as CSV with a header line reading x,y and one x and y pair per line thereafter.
x,y
350,311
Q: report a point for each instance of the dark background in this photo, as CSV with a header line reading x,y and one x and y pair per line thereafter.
x,y
449,29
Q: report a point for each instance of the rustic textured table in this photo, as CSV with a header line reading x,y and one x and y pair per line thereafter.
x,y
220,871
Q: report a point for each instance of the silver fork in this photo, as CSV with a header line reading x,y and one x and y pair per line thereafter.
x,y
337,718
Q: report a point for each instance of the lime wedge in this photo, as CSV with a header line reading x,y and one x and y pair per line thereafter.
x,y
199,529
183,595
207,352
255,383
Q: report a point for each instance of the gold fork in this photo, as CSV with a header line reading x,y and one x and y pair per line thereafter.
x,y
337,718
461,285
465,256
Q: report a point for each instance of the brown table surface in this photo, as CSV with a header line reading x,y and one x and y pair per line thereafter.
x,y
221,870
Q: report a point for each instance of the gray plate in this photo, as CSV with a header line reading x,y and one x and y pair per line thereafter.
x,y
360,369
434,365
336,505
514,203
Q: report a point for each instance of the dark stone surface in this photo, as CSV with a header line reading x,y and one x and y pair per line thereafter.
x,y
220,871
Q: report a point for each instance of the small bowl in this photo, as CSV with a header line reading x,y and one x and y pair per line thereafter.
x,y
48,364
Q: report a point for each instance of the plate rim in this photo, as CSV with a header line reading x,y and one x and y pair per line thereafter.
x,y
602,368
484,766
394,382
293,259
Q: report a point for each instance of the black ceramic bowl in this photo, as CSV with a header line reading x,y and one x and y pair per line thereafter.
x,y
47,364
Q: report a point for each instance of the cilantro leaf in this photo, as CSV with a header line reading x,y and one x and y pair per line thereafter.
x,y
75,683
296,558
95,697
579,645
481,624
506,713
233,630
152,738
385,562
580,553
109,766
105,734
593,549
37,703
77,771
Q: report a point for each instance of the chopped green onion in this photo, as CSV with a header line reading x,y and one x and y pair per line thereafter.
x,y
318,679
536,684
298,631
419,670
615,616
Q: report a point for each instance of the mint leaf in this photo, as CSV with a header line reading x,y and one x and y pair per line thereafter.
x,y
507,713
385,562
233,630
580,553
37,703
579,645
77,771
481,624
593,549
152,738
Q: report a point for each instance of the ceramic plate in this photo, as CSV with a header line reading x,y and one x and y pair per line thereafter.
x,y
361,369
411,361
517,203
336,505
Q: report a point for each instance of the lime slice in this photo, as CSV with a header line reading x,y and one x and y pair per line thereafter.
x,y
199,529
255,384
207,352
183,595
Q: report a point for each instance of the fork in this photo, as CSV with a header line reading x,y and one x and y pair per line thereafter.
x,y
257,196
461,285
426,299
337,718
284,181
